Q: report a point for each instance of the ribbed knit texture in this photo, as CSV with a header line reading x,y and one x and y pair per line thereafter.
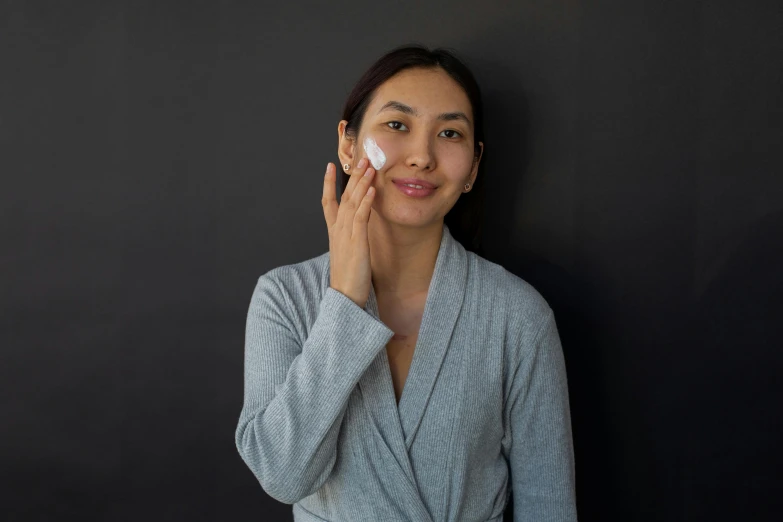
x,y
484,413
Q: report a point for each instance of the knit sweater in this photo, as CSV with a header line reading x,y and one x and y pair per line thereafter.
x,y
483,417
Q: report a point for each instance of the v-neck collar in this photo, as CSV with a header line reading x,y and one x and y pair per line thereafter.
x,y
398,423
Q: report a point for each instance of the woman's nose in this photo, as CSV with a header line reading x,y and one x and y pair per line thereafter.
x,y
420,153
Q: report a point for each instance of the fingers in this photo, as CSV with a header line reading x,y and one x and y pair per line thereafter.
x,y
361,186
350,204
362,216
354,178
329,199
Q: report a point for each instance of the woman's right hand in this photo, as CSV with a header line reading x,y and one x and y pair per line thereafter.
x,y
349,246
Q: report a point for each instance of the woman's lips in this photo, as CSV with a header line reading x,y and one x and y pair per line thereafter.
x,y
412,191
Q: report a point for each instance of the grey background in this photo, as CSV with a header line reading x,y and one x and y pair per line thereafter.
x,y
157,157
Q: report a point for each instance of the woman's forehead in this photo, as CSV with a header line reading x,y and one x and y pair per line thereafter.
x,y
426,92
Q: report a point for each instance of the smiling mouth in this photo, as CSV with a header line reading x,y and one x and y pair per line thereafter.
x,y
414,183
412,191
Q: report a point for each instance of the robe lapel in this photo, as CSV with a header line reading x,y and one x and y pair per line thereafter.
x,y
443,304
397,425
377,392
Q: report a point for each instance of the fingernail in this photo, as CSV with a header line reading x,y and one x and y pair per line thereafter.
x,y
362,163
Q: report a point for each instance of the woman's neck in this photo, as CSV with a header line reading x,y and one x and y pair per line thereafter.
x,y
402,258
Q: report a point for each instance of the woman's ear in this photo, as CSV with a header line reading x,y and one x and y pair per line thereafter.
x,y
345,147
476,161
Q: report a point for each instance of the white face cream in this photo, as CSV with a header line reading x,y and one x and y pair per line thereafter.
x,y
374,153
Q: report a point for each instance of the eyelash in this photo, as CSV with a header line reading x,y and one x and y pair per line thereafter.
x,y
447,130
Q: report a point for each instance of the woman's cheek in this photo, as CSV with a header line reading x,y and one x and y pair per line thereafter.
x,y
389,147
456,164
374,153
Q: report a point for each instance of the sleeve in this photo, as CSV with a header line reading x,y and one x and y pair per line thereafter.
x,y
541,456
296,393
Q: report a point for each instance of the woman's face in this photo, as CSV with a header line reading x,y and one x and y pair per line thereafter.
x,y
422,121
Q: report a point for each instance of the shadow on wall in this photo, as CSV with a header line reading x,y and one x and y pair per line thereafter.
x,y
508,151
734,329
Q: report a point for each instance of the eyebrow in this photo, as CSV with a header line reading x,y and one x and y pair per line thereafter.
x,y
446,116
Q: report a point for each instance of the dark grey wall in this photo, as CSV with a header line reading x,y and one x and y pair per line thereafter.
x,y
157,157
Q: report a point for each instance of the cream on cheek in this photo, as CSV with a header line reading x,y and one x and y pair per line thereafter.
x,y
374,152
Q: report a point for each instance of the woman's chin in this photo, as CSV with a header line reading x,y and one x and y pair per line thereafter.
x,y
406,218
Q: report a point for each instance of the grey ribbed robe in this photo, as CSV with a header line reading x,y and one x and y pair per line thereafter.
x,y
484,412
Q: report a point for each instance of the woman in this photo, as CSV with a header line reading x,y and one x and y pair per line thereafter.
x,y
401,376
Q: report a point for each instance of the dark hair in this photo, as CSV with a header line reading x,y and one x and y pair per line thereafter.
x,y
464,219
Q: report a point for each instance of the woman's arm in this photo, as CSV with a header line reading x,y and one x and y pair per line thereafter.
x,y
296,393
541,454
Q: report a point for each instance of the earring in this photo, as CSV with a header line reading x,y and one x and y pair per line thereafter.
x,y
467,186
346,167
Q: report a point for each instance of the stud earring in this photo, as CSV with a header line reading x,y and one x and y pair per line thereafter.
x,y
346,167
467,186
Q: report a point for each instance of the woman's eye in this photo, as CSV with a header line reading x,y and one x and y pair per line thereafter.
x,y
396,125
453,132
